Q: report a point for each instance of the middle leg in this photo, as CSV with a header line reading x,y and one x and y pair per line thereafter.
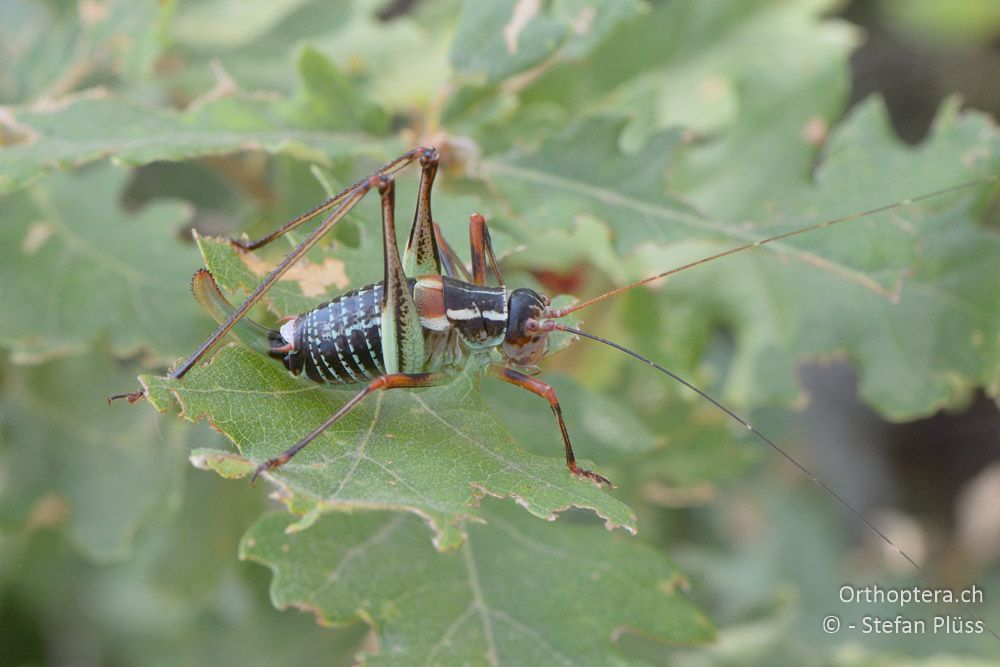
x,y
394,381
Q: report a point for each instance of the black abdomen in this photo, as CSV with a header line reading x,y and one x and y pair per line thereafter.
x,y
340,342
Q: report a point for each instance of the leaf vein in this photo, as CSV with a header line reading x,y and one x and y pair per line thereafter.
x,y
479,603
356,551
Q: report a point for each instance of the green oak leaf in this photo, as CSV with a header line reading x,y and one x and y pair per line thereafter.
x,y
501,48
329,100
518,591
181,598
683,64
210,24
583,171
693,65
68,459
433,452
91,128
74,266
496,40
380,56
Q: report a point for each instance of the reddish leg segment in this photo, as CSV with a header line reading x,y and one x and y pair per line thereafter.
x,y
536,386
394,381
482,251
451,265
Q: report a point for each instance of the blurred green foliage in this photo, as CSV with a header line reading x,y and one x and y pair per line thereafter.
x,y
603,140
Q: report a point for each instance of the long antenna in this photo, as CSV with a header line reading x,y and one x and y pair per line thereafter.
x,y
557,326
561,312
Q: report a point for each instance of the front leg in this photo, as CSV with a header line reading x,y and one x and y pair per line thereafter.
x,y
545,390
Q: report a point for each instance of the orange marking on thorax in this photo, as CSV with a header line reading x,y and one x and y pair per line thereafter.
x,y
428,295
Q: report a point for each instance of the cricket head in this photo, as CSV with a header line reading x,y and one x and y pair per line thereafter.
x,y
525,342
